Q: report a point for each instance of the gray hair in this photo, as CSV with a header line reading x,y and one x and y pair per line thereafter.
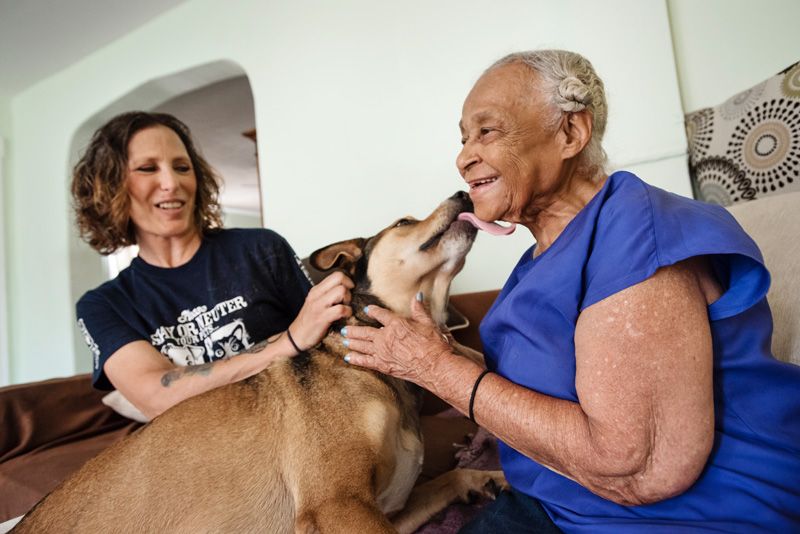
x,y
571,83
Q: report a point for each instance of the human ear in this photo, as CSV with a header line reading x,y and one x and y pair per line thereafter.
x,y
577,131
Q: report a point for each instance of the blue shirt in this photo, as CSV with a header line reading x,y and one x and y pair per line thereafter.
x,y
621,237
240,287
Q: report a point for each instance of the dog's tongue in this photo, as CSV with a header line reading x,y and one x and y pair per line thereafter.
x,y
490,227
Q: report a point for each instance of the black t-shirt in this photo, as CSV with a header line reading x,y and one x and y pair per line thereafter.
x,y
241,286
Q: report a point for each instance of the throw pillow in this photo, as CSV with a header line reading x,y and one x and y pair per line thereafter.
x,y
749,146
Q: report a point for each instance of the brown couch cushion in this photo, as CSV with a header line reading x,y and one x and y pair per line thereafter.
x,y
48,430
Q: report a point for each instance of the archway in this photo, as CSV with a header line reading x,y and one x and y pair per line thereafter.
x,y
215,101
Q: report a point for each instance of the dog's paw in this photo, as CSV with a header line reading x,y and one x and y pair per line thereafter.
x,y
471,484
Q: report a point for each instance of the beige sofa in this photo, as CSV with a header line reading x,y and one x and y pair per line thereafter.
x,y
774,223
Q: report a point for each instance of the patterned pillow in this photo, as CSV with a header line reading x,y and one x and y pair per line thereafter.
x,y
748,147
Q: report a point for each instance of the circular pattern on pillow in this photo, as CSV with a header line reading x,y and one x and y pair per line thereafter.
x,y
739,104
766,144
748,146
721,182
699,131
790,86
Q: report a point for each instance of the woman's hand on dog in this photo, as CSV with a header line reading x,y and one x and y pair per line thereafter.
x,y
326,303
405,348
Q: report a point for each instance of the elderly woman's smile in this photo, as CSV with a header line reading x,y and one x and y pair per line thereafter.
x,y
510,159
520,153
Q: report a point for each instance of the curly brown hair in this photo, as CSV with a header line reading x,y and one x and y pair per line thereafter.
x,y
99,186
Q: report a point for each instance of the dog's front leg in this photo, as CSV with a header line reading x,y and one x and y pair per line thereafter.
x,y
430,498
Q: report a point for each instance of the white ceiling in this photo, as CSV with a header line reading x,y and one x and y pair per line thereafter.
x,y
41,37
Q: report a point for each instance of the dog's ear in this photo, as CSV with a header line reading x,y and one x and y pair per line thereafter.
x,y
342,255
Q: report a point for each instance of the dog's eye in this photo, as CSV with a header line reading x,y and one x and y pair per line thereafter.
x,y
402,222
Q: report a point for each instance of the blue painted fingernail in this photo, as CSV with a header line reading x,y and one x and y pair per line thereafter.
x,y
346,342
347,359
366,309
343,331
420,296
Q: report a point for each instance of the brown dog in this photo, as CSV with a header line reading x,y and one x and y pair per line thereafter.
x,y
308,445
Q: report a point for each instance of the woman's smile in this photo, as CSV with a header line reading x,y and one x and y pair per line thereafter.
x,y
161,183
171,205
171,209
482,184
481,189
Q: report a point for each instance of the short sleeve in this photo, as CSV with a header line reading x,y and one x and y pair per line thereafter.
x,y
104,332
641,229
623,249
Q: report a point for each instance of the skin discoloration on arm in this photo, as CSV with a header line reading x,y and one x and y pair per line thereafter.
x,y
644,362
644,424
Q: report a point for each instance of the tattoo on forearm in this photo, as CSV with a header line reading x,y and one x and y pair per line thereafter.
x,y
176,374
205,369
260,346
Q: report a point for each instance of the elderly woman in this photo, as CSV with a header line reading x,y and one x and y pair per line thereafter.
x,y
166,327
628,377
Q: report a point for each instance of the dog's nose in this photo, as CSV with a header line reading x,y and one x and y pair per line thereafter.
x,y
462,198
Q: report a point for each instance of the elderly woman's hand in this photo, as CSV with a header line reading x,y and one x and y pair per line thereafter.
x,y
404,348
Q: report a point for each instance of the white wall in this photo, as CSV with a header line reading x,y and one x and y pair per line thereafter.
x,y
5,132
723,47
357,104
240,219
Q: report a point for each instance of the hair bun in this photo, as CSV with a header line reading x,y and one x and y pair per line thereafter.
x,y
573,95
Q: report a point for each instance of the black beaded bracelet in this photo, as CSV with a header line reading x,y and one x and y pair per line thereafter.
x,y
291,340
474,390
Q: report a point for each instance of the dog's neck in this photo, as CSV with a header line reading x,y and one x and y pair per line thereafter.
x,y
437,293
360,298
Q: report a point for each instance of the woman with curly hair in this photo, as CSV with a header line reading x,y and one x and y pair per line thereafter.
x,y
165,328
